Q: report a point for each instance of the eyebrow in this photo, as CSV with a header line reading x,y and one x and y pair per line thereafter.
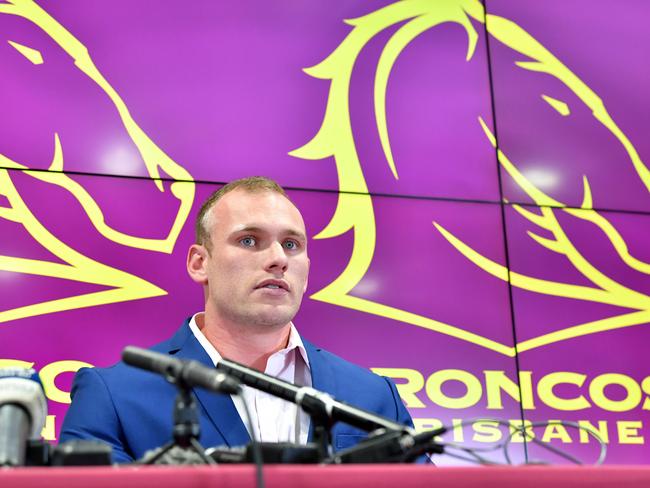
x,y
254,228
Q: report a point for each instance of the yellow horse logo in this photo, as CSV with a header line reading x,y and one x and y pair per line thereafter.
x,y
73,265
354,211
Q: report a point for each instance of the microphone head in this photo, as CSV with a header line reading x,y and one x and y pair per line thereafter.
x,y
152,361
228,384
197,374
23,387
181,372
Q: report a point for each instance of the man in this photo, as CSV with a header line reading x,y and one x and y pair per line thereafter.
x,y
251,258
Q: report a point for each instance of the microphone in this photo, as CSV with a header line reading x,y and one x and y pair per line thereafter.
x,y
23,409
185,372
314,402
390,447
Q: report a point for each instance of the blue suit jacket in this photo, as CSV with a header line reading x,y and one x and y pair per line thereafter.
x,y
131,409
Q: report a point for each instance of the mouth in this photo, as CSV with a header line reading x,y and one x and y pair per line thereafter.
x,y
279,285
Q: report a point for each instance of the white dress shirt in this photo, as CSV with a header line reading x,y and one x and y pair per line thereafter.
x,y
273,419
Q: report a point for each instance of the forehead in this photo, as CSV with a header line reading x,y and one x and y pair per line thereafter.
x,y
262,209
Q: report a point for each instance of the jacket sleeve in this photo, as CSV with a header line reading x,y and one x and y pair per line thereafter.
x,y
401,414
92,415
403,417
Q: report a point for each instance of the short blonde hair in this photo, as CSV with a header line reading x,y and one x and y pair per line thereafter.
x,y
252,184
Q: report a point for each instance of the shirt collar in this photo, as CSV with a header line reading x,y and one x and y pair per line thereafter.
x,y
295,342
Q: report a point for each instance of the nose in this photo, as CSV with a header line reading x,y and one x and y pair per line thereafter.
x,y
277,261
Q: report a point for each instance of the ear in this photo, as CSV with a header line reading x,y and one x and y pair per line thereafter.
x,y
196,264
304,290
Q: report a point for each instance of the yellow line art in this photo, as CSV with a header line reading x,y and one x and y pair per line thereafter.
x,y
614,237
38,267
538,220
559,106
394,47
57,157
631,299
537,195
587,200
334,139
32,54
114,295
617,293
513,36
611,323
8,214
122,286
125,286
355,212
549,244
386,311
153,157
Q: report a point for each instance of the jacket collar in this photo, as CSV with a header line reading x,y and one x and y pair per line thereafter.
x,y
220,409
322,376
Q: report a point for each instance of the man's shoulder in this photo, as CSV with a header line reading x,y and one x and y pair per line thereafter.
x,y
342,369
121,371
126,407
355,385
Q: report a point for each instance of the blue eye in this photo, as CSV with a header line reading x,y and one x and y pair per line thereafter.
x,y
291,245
248,241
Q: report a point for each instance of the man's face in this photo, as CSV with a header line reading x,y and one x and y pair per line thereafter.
x,y
257,269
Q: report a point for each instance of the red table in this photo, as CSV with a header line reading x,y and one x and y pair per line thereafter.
x,y
359,476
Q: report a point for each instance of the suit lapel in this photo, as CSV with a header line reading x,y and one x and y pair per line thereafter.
x,y
321,372
219,409
322,377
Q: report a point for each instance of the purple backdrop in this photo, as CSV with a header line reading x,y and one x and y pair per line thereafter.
x,y
107,97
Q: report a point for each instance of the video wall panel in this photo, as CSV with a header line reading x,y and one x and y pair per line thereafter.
x,y
580,307
570,101
217,92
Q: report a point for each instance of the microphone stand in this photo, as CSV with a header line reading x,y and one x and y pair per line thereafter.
x,y
322,423
184,448
323,409
390,446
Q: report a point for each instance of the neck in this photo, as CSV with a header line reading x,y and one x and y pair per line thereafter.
x,y
250,345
